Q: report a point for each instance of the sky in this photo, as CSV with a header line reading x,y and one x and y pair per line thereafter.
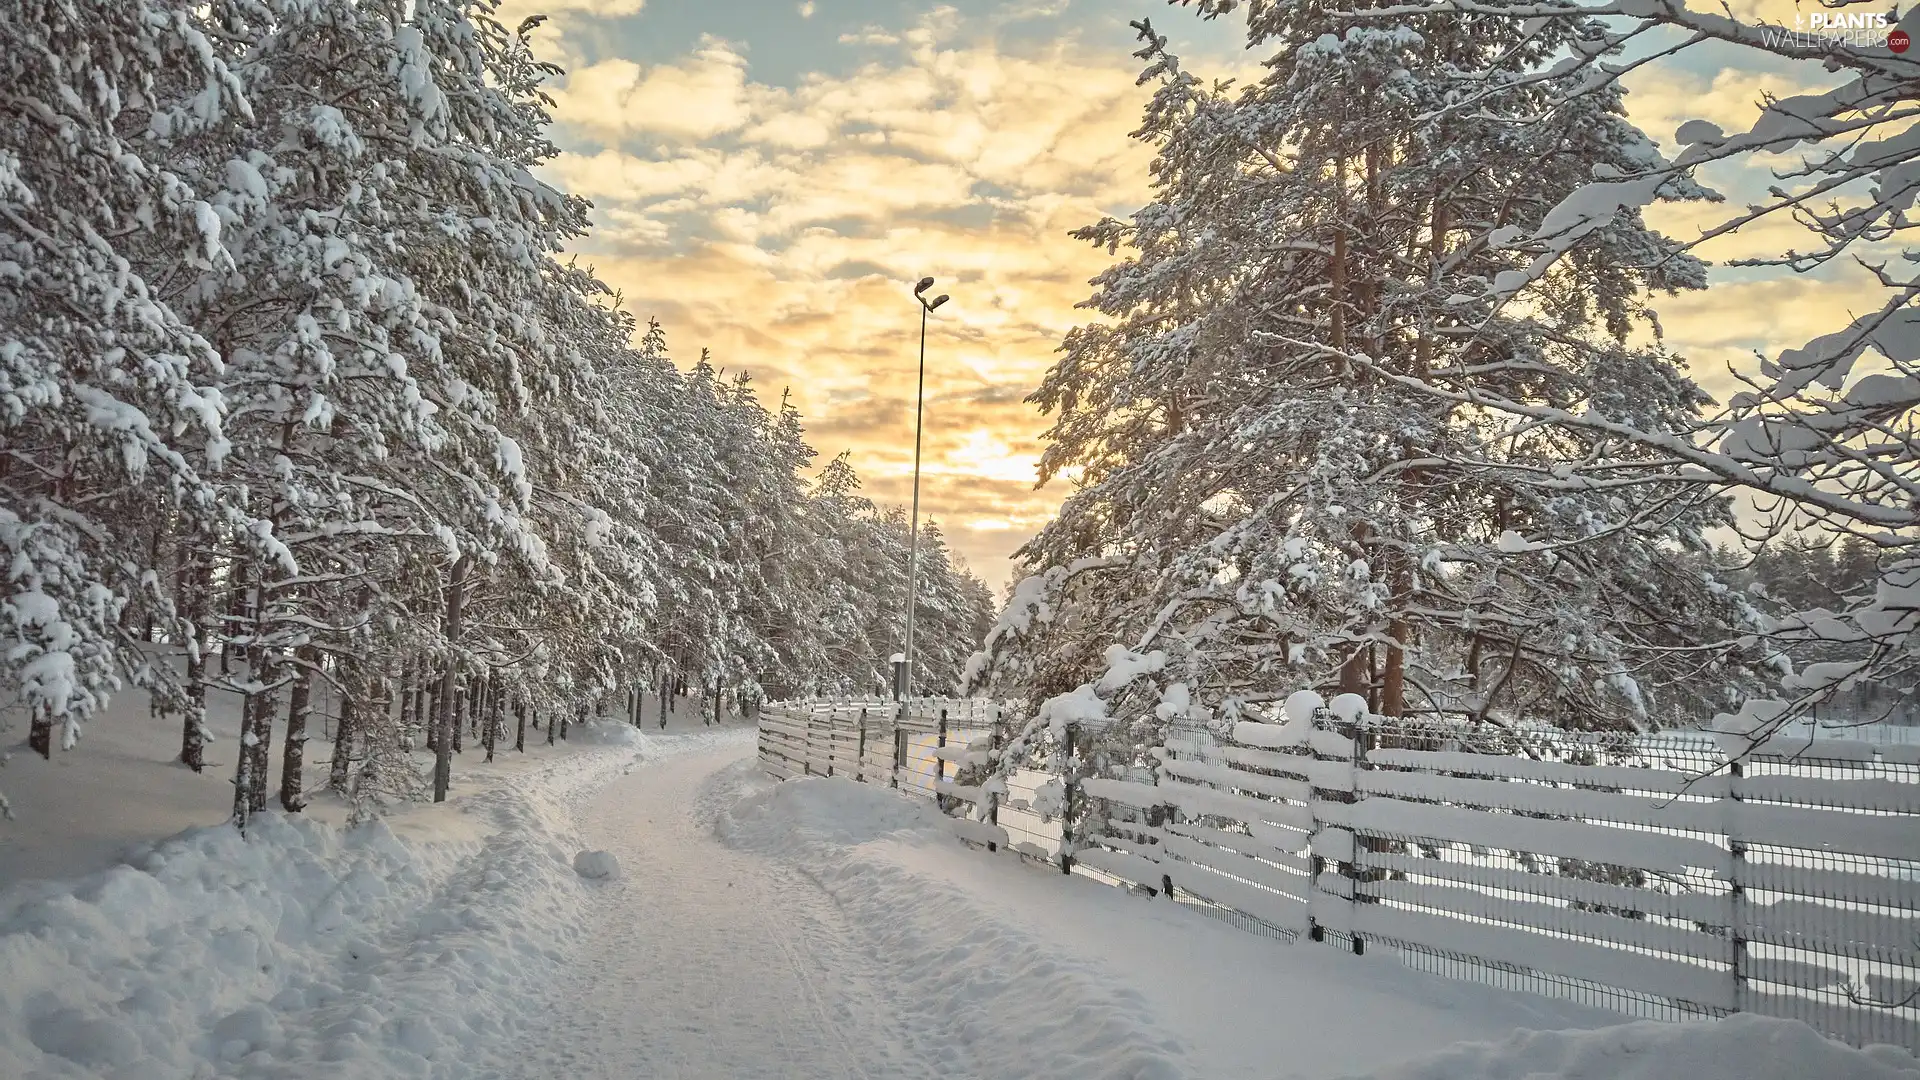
x,y
770,177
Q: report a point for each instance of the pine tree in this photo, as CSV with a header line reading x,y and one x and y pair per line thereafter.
x,y
103,388
1261,501
1825,434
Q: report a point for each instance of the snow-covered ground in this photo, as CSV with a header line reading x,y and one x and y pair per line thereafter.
x,y
735,928
123,786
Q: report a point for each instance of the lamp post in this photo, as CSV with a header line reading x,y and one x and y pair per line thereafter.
x,y
913,538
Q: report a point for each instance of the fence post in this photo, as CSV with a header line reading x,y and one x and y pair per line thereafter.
x,y
992,771
1737,896
1355,871
833,728
899,743
940,763
806,745
1066,804
1333,848
860,766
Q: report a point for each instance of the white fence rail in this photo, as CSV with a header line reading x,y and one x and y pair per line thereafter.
x,y
1645,873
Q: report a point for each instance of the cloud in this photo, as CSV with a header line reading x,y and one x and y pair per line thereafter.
x,y
871,35
697,98
512,11
1662,97
781,226
806,9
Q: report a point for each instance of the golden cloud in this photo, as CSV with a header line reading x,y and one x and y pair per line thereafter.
x,y
780,227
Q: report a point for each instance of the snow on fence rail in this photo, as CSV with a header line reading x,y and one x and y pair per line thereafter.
x,y
1646,873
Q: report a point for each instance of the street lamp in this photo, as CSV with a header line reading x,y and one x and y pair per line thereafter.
x,y
913,540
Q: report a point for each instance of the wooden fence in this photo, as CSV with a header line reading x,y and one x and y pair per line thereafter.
x,y
1648,873
918,748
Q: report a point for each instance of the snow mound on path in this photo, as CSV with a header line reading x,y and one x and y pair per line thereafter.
x,y
1741,1047
599,865
609,733
1018,1007
302,949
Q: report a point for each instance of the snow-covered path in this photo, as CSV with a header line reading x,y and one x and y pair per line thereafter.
x,y
706,961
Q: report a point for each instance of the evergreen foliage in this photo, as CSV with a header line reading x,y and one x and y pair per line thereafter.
x,y
295,377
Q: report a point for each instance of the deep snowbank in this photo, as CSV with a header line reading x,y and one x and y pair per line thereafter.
x,y
1740,1047
303,949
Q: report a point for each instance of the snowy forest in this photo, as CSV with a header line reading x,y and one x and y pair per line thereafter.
x,y
296,384
1418,657
1377,401
300,383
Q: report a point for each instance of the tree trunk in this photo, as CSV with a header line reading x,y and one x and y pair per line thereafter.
x,y
1393,681
339,776
293,755
552,728
256,739
490,729
406,697
196,585
236,608
497,709
520,729
443,750
1355,673
40,733
457,701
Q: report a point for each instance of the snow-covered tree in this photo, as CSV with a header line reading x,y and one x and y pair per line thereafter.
x,y
1823,436
105,399
1260,501
295,378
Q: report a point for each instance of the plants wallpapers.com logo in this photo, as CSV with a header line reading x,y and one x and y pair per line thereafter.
x,y
1847,29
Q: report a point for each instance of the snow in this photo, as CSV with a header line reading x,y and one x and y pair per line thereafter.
x,y
1125,665
1738,1048
1348,707
741,928
1080,706
404,947
1016,970
597,865
64,828
1512,543
1698,131
1301,705
217,953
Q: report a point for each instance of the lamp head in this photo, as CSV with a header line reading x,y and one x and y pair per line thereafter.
x,y
925,284
937,301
